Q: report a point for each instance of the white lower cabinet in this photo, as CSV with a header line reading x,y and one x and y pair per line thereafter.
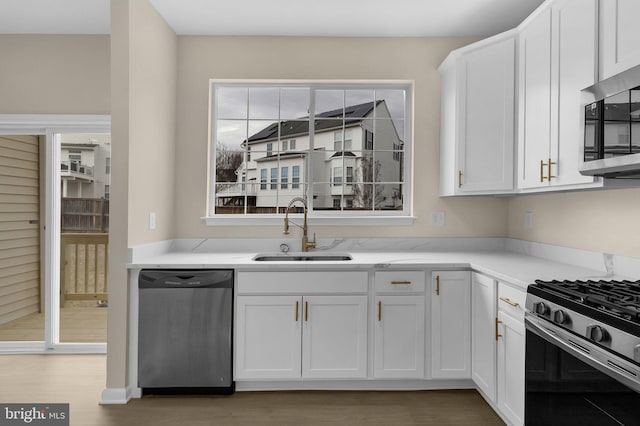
x,y
511,353
289,337
498,345
334,337
483,333
399,337
451,324
268,337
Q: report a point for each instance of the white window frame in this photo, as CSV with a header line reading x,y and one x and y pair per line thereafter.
x,y
320,217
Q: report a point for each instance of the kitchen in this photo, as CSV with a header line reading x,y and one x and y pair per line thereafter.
x,y
154,85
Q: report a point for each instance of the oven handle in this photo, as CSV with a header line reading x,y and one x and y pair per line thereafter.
x,y
585,351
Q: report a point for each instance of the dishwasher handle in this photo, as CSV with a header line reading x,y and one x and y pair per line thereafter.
x,y
186,279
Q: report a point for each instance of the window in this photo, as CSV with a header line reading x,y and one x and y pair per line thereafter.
x,y
107,165
75,156
295,177
263,179
107,190
349,174
324,141
337,176
336,203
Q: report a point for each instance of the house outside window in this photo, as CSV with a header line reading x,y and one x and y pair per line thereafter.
x,y
284,178
75,156
295,177
263,179
331,156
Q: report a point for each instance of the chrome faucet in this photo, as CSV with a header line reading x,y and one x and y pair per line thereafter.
x,y
306,244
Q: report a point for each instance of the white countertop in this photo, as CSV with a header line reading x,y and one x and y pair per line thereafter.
x,y
515,268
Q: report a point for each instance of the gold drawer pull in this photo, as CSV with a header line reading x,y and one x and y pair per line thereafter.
x,y
437,285
379,310
507,300
401,282
306,311
498,335
297,304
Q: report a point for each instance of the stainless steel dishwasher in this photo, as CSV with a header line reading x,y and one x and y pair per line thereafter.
x,y
185,331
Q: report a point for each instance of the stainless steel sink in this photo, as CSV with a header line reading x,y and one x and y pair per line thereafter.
x,y
302,257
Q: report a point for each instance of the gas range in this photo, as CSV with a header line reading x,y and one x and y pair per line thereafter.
x,y
600,319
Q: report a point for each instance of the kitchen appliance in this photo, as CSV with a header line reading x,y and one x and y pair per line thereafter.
x,y
612,127
185,328
582,363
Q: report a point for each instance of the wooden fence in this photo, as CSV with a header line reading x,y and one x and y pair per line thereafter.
x,y
85,215
83,266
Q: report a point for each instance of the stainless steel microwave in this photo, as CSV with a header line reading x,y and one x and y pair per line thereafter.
x,y
611,145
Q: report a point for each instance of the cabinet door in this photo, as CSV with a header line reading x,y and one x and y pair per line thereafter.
x,y
334,337
399,337
483,334
450,324
511,352
619,36
574,67
535,100
486,121
268,337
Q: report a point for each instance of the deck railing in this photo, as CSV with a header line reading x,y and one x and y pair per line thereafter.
x,y
83,266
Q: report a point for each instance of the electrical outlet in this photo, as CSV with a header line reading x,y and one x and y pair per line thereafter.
x,y
528,220
152,220
437,218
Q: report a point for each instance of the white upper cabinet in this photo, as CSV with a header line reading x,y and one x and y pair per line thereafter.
x,y
557,59
619,36
478,103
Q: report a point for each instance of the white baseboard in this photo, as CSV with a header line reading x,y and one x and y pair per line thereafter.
x,y
115,396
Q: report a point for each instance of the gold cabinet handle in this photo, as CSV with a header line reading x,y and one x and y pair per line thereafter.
x,y
459,178
401,282
297,305
437,285
306,311
510,302
498,335
549,170
379,310
548,176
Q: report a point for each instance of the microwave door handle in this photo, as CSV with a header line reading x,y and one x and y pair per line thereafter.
x,y
608,367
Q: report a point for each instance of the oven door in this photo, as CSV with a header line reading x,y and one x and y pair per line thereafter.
x,y
570,381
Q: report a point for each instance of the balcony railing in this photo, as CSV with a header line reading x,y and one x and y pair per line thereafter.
x,y
237,190
74,168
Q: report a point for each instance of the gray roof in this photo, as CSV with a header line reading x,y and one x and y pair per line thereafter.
x,y
353,115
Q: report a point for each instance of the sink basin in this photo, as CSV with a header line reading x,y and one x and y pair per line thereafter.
x,y
302,257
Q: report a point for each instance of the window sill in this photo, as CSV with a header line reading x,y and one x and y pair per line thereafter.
x,y
277,220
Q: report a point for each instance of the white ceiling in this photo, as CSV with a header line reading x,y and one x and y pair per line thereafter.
x,y
279,17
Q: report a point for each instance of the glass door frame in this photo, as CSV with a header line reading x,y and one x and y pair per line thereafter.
x,y
51,127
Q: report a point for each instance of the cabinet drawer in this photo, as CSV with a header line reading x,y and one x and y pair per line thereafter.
x,y
400,281
302,282
511,300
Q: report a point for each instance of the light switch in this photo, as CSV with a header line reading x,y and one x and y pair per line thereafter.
x,y
152,220
437,218
528,220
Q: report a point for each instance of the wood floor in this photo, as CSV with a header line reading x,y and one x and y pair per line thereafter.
x,y
79,380
80,324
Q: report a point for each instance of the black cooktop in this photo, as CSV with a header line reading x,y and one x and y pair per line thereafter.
x,y
611,301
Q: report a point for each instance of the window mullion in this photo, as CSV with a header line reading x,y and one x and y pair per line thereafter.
x,y
309,159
